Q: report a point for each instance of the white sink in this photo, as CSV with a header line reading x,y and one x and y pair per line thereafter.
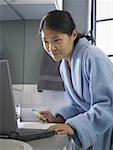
x,y
10,144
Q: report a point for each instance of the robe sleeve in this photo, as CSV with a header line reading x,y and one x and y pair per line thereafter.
x,y
71,110
99,118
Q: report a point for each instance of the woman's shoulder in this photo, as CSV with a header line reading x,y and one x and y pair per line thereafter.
x,y
92,51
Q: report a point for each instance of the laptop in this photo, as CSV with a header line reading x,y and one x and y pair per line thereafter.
x,y
8,120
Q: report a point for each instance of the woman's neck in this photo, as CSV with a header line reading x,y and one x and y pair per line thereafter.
x,y
69,64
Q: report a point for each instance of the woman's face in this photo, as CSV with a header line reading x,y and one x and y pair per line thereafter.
x,y
58,45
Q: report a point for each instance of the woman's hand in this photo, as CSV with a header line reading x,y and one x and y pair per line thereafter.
x,y
62,128
49,117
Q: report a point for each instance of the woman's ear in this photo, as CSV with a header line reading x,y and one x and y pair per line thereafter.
x,y
74,34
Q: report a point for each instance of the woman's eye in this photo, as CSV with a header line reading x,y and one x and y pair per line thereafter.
x,y
57,40
45,42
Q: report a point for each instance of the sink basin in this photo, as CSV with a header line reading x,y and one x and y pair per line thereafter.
x,y
10,144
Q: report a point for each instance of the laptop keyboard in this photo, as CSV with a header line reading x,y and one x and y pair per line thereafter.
x,y
34,134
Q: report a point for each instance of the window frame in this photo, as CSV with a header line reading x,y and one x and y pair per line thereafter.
x,y
94,21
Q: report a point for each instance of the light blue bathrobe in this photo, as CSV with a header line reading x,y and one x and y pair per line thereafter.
x,y
90,90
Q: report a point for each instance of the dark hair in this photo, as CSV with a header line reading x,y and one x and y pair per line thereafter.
x,y
58,20
61,21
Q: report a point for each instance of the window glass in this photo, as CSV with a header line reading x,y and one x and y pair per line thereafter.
x,y
104,36
111,58
104,9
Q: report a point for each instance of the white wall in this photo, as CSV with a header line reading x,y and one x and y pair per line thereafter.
x,y
29,98
79,9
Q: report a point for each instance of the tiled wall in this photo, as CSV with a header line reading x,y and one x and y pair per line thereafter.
x,y
28,97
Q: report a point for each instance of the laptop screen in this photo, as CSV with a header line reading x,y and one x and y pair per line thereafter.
x,y
8,123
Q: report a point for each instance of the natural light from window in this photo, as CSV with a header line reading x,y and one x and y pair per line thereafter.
x,y
104,29
104,9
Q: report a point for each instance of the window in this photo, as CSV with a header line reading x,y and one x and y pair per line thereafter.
x,y
104,25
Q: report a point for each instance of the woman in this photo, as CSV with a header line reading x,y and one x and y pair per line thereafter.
x,y
87,74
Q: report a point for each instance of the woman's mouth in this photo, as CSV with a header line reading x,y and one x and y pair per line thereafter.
x,y
55,53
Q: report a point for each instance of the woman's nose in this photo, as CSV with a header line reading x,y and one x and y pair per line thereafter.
x,y
51,47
